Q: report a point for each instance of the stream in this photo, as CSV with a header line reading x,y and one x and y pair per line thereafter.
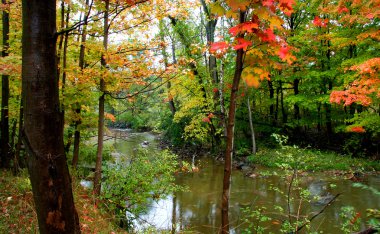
x,y
198,208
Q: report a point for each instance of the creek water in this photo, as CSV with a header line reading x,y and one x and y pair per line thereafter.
x,y
197,209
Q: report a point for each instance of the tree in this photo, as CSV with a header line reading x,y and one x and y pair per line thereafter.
x,y
98,165
43,134
252,39
5,147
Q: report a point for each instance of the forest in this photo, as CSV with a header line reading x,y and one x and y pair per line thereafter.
x,y
190,116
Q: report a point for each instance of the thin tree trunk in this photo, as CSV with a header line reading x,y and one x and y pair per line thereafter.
x,y
5,147
61,39
64,65
98,165
277,104
221,101
283,111
78,122
17,163
43,133
230,137
251,126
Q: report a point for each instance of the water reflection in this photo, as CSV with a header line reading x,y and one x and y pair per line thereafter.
x,y
198,208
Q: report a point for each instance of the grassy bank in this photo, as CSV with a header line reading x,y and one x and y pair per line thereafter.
x,y
310,159
18,214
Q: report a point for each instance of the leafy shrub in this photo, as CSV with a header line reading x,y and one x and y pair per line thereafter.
x,y
135,182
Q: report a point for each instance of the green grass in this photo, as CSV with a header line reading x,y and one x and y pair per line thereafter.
x,y
312,160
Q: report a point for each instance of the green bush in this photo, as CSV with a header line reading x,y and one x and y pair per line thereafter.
x,y
135,182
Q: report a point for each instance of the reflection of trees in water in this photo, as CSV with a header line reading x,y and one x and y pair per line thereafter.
x,y
198,209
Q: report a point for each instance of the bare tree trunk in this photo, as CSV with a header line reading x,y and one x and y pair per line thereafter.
x,y
283,111
17,163
230,137
221,101
98,165
271,97
78,108
43,133
5,146
251,126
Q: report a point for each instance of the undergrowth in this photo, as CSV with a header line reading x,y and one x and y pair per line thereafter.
x,y
313,160
18,214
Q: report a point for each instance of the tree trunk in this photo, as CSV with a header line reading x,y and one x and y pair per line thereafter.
x,y
64,64
78,109
283,111
5,147
43,133
251,126
17,164
221,101
230,137
99,154
271,97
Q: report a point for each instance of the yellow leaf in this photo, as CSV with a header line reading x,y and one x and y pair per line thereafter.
x,y
249,77
262,13
238,4
217,9
275,22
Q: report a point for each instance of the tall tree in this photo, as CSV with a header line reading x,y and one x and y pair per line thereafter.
x,y
230,134
43,134
257,35
99,154
81,67
5,147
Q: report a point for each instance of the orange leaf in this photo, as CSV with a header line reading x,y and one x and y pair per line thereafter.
x,y
357,129
110,117
244,27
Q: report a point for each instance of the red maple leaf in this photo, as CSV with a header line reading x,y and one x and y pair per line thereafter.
x,y
268,3
242,44
319,22
287,6
357,129
283,52
220,47
244,27
268,35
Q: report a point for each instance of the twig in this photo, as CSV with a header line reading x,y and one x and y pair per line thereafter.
x,y
320,212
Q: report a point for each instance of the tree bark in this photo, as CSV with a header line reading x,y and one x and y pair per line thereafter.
x,y
78,108
5,146
251,126
17,164
230,137
283,111
271,97
99,154
43,133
